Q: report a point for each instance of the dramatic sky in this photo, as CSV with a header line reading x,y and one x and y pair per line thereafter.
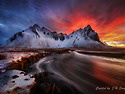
x,y
106,17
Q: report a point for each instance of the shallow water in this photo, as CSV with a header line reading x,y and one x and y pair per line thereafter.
x,y
87,74
80,71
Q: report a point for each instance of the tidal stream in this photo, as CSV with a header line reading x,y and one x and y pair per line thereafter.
x,y
79,73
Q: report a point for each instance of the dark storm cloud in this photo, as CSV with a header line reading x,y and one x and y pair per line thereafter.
x,y
17,15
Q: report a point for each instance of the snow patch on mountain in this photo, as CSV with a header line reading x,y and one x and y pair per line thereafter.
x,y
37,37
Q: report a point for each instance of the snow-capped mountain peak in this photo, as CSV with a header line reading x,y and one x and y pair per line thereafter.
x,y
37,37
36,26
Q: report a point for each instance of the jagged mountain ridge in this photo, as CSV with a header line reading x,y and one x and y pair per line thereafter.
x,y
37,37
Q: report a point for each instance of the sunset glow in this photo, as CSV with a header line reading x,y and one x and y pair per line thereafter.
x,y
106,17
113,31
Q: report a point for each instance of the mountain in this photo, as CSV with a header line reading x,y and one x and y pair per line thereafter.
x,y
37,37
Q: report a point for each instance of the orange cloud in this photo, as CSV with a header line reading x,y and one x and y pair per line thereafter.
x,y
107,19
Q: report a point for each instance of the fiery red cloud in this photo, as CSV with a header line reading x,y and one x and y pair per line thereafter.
x,y
113,31
107,19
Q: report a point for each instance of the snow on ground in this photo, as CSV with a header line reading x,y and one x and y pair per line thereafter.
x,y
15,80
12,56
